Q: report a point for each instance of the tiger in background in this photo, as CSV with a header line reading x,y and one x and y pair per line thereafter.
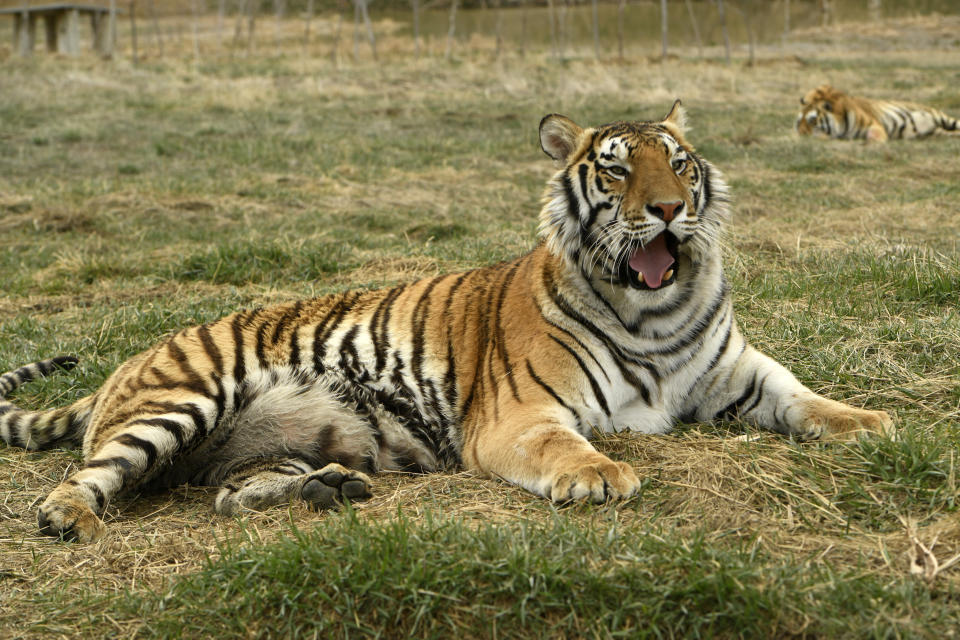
x,y
837,115
619,319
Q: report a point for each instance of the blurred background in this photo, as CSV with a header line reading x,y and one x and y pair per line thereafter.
x,y
394,29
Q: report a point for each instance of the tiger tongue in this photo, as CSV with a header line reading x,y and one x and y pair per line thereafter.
x,y
652,260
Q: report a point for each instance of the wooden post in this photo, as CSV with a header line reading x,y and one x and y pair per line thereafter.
x,y
50,29
100,24
25,32
68,32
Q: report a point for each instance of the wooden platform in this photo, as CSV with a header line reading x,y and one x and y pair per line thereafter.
x,y
61,23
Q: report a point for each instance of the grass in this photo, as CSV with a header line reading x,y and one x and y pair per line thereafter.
x,y
136,201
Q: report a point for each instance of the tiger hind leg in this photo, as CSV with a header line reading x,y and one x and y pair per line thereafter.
x,y
123,457
261,483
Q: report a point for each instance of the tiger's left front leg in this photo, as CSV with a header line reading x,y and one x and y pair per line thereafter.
x,y
764,393
539,449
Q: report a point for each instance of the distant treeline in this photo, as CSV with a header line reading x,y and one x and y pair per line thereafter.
x,y
294,6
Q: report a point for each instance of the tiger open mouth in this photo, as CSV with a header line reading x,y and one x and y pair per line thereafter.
x,y
655,264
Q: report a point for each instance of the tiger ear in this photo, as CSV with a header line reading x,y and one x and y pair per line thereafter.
x,y
677,116
559,136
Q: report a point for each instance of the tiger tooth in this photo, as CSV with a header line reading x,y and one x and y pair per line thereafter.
x,y
668,274
640,276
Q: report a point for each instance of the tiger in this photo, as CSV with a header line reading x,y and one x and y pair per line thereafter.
x,y
833,113
619,319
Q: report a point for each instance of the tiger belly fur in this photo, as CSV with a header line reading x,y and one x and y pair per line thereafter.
x,y
835,114
620,319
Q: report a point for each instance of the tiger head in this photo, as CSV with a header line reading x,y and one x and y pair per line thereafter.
x,y
824,109
633,206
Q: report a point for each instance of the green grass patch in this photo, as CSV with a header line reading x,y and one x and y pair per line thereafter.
x,y
438,577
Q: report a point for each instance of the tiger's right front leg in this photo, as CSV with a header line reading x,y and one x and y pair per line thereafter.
x,y
542,452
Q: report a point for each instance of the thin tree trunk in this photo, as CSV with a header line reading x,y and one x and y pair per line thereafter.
x,y
251,25
826,13
552,18
562,29
751,37
112,29
238,25
452,29
306,31
663,30
279,8
621,9
196,18
696,28
416,27
133,29
523,28
336,34
369,26
499,28
221,15
158,37
875,9
356,30
596,29
723,28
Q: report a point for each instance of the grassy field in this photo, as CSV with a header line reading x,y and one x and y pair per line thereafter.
x,y
138,200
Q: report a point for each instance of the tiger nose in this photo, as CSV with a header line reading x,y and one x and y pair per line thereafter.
x,y
665,210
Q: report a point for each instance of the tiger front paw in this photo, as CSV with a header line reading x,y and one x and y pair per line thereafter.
x,y
596,482
69,520
828,419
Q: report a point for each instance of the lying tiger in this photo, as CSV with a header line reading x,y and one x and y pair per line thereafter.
x,y
838,115
620,319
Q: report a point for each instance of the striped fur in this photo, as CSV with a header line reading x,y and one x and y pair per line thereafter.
x,y
620,319
835,114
